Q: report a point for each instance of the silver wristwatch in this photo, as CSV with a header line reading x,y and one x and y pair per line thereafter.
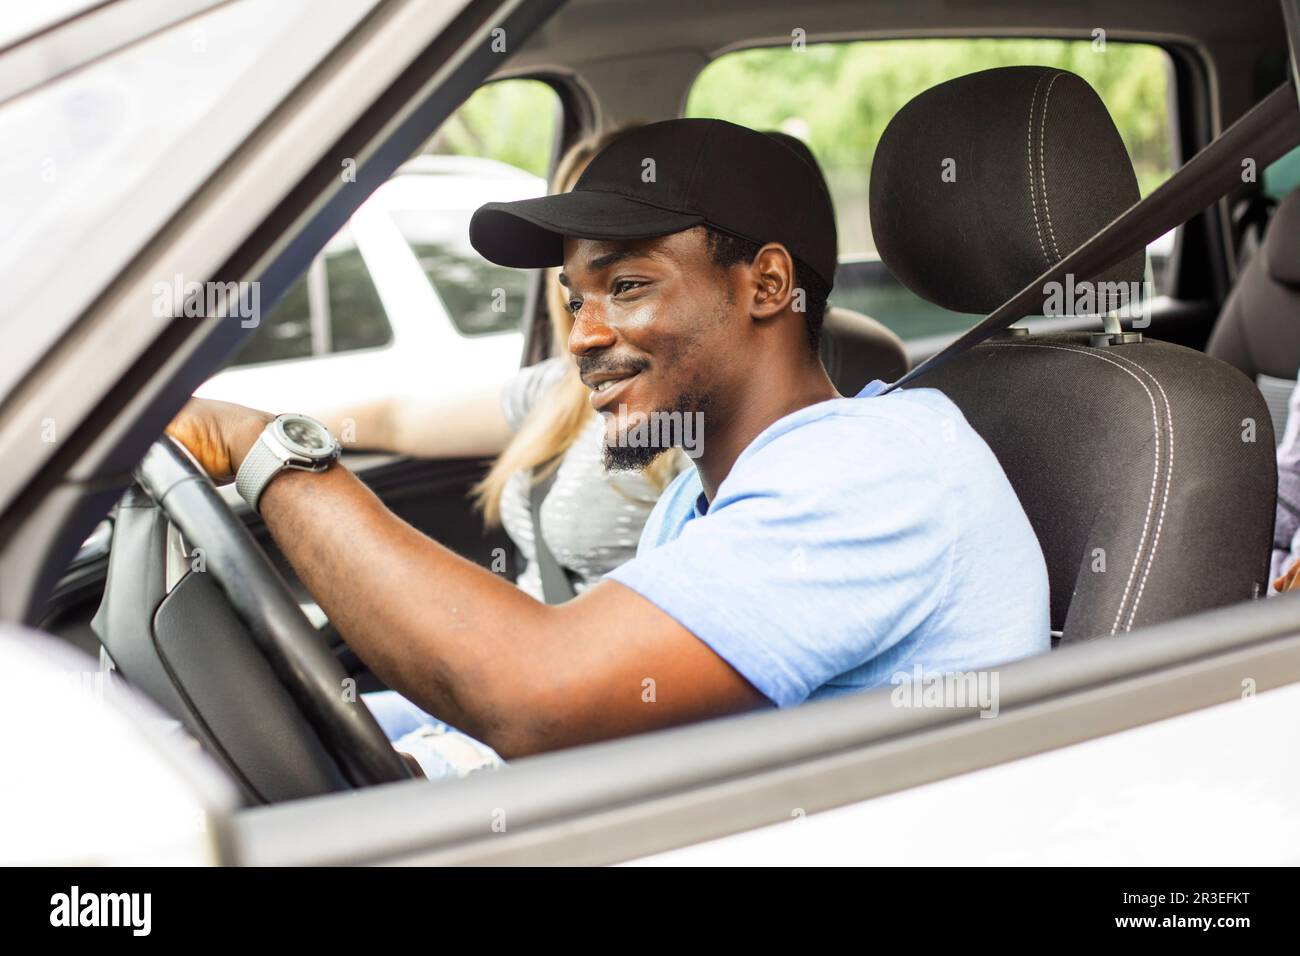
x,y
290,441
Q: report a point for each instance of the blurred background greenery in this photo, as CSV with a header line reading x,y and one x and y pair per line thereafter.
x,y
838,97
514,121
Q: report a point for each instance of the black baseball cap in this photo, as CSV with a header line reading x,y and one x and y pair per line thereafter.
x,y
701,171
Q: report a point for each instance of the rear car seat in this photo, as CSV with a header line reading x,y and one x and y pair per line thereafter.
x,y
855,348
1259,329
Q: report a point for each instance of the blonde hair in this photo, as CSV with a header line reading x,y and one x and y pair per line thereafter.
x,y
554,423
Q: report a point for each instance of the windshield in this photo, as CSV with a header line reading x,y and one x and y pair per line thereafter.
x,y
163,113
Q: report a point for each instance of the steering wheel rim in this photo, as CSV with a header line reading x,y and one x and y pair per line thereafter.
x,y
262,600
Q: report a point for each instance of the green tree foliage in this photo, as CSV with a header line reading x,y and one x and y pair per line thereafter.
x,y
513,121
838,98
843,94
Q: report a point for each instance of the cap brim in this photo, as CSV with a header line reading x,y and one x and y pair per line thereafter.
x,y
530,233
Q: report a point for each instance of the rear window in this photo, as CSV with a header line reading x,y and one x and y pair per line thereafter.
x,y
335,307
838,98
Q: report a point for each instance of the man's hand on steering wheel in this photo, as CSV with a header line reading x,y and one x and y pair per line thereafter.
x,y
218,434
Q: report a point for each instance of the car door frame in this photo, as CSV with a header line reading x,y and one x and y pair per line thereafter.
x,y
626,799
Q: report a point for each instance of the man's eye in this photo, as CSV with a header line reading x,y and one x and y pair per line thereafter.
x,y
575,305
626,285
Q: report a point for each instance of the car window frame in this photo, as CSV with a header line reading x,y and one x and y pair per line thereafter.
x,y
616,801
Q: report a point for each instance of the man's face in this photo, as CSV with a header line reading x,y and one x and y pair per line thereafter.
x,y
657,330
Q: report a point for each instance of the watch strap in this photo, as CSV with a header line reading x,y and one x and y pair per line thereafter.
x,y
260,465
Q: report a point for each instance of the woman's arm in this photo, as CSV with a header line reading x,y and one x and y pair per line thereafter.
x,y
469,425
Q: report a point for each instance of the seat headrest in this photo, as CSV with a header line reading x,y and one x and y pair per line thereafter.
x,y
1282,239
980,183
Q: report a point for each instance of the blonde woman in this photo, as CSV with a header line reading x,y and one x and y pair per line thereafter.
x,y
591,519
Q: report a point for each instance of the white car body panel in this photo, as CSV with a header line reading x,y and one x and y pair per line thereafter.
x,y
427,353
100,776
1215,787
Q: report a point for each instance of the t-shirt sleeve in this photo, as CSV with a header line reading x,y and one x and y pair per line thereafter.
x,y
528,385
795,578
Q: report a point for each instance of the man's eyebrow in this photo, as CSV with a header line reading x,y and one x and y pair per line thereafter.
x,y
609,258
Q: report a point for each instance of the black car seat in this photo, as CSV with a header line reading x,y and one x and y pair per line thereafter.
x,y
855,348
1145,468
1259,328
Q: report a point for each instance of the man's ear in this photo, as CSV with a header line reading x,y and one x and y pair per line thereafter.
x,y
772,272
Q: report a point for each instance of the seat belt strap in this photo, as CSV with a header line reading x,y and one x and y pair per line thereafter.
x,y
1269,130
557,587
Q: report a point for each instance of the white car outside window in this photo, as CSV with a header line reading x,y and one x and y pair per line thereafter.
x,y
453,319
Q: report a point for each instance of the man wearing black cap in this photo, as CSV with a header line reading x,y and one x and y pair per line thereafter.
x,y
821,544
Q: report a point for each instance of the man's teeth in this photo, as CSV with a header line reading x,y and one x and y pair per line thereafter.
x,y
606,384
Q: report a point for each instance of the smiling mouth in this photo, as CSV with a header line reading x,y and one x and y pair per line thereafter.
x,y
608,389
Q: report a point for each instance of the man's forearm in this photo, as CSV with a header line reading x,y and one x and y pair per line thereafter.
x,y
460,645
460,641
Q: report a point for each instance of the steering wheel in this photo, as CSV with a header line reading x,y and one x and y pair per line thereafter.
x,y
260,597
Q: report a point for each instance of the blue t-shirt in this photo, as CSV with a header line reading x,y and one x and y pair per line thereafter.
x,y
853,540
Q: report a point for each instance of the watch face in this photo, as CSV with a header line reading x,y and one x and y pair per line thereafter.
x,y
305,436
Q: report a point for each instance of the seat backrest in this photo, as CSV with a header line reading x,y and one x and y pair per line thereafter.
x,y
1145,468
1259,328
856,349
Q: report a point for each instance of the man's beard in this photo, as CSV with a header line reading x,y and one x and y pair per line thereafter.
x,y
625,456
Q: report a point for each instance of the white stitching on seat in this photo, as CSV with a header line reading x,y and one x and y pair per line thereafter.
x,y
1042,164
1029,149
1155,476
1169,477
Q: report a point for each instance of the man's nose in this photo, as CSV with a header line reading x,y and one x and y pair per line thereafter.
x,y
589,333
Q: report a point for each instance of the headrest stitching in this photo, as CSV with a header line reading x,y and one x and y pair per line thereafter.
x,y
1029,149
1042,164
